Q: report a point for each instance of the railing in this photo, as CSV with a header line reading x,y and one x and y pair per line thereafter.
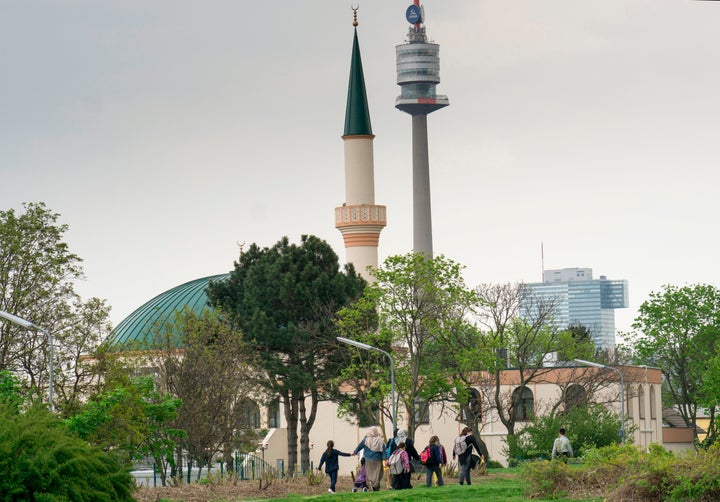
x,y
250,466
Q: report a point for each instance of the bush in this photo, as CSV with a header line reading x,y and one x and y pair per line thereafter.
x,y
546,479
592,426
41,460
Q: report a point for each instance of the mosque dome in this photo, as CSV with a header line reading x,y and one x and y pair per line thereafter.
x,y
134,328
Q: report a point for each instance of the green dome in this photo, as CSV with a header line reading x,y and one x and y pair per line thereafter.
x,y
134,328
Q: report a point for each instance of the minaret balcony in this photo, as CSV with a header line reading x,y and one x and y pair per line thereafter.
x,y
364,214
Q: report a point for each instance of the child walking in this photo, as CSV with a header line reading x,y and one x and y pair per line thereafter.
x,y
330,458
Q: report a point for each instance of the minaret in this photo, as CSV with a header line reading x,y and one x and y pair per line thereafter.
x,y
359,220
418,72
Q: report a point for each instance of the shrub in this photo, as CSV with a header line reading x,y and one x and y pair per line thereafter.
x,y
41,460
546,479
591,426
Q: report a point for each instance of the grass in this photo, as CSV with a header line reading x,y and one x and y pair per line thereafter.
x,y
503,489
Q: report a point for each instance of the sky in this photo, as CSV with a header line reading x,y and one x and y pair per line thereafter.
x,y
166,133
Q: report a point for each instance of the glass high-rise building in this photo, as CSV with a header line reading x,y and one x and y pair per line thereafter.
x,y
580,299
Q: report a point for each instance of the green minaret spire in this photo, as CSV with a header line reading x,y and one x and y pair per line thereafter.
x,y
357,115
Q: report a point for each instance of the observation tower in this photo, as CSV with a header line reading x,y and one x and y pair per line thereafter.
x,y
418,72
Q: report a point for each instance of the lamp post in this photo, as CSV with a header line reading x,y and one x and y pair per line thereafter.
x,y
392,371
28,325
622,393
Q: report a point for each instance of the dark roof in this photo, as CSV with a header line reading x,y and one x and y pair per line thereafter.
x,y
357,114
135,328
673,419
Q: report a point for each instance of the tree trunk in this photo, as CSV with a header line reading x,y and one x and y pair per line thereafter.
x,y
304,438
292,436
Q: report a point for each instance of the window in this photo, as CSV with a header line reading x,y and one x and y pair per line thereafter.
x,y
653,415
629,402
274,414
249,415
524,403
575,395
641,401
422,412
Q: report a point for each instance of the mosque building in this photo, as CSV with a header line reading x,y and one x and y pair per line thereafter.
x,y
360,222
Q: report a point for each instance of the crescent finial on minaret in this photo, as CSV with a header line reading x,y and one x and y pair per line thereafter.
x,y
355,8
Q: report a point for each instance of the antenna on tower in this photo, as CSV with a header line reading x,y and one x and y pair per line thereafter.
x,y
355,8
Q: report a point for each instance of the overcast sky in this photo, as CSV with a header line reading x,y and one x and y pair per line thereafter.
x,y
166,132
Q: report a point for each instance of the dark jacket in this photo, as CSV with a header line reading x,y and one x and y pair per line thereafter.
x,y
471,442
410,449
331,461
436,456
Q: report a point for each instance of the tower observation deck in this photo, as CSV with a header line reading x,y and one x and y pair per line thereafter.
x,y
418,69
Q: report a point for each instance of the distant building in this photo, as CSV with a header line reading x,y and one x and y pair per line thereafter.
x,y
580,299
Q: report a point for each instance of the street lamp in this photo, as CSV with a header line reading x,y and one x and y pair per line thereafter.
x,y
392,371
622,393
28,325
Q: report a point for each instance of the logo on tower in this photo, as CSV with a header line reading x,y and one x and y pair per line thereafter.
x,y
413,14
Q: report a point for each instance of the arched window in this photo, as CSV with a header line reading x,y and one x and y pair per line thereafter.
x,y
524,403
629,402
653,415
641,401
575,395
249,415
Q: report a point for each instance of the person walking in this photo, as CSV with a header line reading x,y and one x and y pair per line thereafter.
x,y
561,447
331,459
463,449
435,462
373,447
399,466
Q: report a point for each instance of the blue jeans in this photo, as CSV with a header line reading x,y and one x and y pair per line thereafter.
x,y
333,479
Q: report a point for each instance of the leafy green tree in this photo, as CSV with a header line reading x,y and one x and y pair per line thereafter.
x,y
711,397
37,276
41,460
677,331
420,302
134,421
10,390
285,299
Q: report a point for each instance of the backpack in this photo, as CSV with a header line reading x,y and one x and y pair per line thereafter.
x,y
395,463
426,455
375,443
460,445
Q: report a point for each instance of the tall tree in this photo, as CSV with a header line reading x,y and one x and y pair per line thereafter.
x,y
203,361
677,331
420,301
285,299
37,276
517,338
